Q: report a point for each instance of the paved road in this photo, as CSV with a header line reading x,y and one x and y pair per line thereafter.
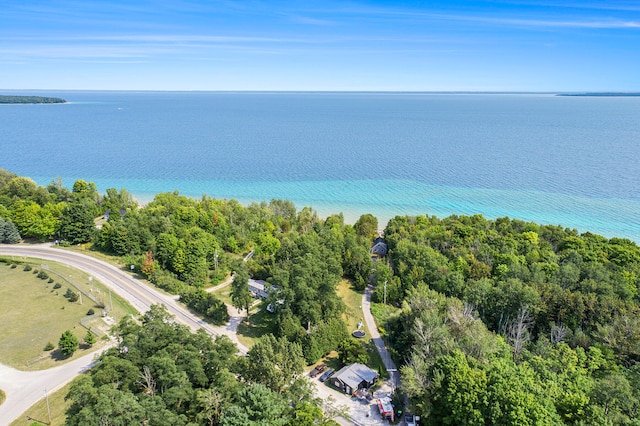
x,y
25,388
21,387
377,340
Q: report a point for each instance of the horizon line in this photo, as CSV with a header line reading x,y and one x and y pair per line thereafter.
x,y
541,92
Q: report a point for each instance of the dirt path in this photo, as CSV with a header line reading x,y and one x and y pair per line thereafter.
x,y
377,340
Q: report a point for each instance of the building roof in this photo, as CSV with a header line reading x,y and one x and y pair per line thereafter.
x,y
257,284
354,374
379,248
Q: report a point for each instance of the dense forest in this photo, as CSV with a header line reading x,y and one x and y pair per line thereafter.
x,y
508,322
7,99
492,321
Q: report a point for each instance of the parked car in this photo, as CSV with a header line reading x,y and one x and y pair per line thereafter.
x,y
319,369
410,420
327,374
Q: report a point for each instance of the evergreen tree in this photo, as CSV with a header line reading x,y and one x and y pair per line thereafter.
x,y
9,232
68,343
90,338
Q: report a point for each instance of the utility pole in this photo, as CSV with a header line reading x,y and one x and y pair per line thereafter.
x,y
111,301
385,293
46,395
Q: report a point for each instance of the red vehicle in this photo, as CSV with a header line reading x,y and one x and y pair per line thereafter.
x,y
319,369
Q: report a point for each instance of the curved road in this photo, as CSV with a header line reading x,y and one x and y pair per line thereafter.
x,y
23,389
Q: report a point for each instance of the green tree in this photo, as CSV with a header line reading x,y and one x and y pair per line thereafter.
x,y
240,294
20,188
90,338
351,350
459,392
77,225
366,226
68,343
308,414
258,405
274,362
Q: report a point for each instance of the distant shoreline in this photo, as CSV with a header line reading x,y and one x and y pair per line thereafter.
x,y
11,99
602,94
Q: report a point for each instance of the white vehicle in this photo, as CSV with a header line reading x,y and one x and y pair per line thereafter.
x,y
411,420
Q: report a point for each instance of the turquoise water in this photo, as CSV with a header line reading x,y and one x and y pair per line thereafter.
x,y
568,161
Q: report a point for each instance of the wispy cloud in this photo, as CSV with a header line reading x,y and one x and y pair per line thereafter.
x,y
312,21
507,18
608,5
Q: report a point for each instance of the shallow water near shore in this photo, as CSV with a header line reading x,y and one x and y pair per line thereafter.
x,y
568,161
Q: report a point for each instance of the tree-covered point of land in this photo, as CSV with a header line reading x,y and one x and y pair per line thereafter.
x,y
12,99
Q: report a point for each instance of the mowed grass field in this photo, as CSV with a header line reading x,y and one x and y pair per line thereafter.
x,y
33,313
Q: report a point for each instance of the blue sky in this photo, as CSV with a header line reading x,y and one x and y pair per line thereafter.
x,y
550,45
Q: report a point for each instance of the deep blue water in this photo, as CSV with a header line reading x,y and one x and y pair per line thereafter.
x,y
573,161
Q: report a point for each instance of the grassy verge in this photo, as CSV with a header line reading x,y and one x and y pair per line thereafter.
x,y
35,313
3,396
381,314
38,411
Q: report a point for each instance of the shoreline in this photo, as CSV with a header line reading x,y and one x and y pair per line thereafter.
x,y
386,199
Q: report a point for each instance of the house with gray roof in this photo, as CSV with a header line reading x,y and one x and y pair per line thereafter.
x,y
379,248
354,377
259,288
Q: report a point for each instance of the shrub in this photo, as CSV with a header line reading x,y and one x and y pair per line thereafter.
x,y
14,266
206,304
49,347
27,268
43,275
50,280
57,286
71,295
91,312
35,271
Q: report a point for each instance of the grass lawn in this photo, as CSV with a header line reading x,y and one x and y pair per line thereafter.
x,y
38,411
353,300
224,294
260,323
2,396
34,313
353,315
